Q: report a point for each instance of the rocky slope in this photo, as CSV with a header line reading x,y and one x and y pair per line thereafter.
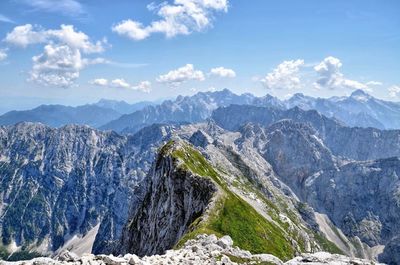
x,y
187,196
350,142
58,185
360,198
205,249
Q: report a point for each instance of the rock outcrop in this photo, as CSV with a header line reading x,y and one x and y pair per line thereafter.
x,y
205,249
175,198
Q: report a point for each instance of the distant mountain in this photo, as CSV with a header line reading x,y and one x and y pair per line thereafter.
x,y
359,109
122,106
351,142
59,115
184,109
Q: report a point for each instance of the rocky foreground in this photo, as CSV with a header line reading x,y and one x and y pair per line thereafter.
x,y
205,249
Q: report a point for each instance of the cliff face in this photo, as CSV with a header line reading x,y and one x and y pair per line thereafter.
x,y
57,184
252,184
349,142
175,198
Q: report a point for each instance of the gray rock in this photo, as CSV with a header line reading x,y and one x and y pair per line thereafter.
x,y
225,242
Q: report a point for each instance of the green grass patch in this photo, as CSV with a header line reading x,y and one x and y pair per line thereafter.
x,y
233,216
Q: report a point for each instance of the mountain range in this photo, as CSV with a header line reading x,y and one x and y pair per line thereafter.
x,y
275,179
94,115
359,109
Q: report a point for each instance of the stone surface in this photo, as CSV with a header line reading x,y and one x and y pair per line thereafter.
x,y
202,250
174,199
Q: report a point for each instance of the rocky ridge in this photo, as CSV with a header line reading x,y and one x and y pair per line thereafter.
x,y
248,166
205,249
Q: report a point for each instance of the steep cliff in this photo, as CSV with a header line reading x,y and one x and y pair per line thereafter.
x,y
176,197
187,196
70,186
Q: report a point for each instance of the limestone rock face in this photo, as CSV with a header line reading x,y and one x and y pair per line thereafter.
x,y
175,198
351,142
360,197
58,183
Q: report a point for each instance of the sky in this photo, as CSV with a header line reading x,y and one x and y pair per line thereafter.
x,y
78,51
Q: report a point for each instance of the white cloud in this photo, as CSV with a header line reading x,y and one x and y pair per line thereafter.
x,y
62,60
65,7
330,76
394,91
79,40
144,86
284,76
6,19
223,72
3,55
59,65
180,18
99,82
131,29
27,35
180,75
120,83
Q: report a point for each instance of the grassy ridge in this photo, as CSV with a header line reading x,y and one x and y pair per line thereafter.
x,y
233,216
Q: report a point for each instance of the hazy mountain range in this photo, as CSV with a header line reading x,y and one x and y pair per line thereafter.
x,y
359,109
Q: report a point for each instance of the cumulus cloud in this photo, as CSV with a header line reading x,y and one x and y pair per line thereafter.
x,y
223,72
144,86
329,76
3,55
284,76
61,60
394,91
120,83
99,82
180,75
27,35
59,65
180,18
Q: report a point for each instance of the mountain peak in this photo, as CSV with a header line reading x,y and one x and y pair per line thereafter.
x,y
360,94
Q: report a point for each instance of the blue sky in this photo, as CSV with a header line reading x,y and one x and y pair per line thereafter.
x,y
148,50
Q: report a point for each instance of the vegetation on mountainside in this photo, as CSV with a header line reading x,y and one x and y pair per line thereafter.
x,y
233,216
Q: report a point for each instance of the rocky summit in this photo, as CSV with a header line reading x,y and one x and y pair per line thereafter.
x,y
205,249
